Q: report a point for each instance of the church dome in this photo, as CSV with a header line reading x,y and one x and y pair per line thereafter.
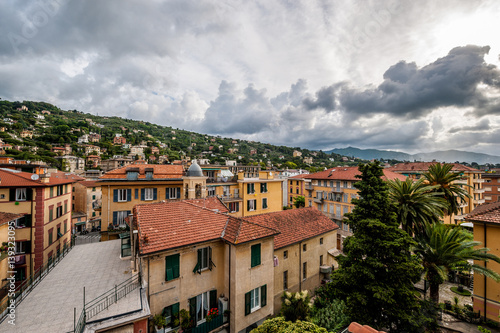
x,y
194,170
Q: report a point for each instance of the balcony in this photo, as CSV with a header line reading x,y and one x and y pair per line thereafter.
x,y
479,190
325,269
209,326
318,200
230,197
478,180
479,201
463,205
461,181
309,187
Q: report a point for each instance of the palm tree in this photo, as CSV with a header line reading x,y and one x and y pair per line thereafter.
x,y
440,175
416,204
443,248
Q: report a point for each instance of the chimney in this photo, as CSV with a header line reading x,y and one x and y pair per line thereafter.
x,y
45,178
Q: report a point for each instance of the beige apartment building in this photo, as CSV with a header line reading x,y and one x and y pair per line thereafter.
x,y
194,256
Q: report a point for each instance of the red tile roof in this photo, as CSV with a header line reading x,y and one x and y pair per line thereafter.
x,y
295,225
168,225
421,167
485,213
349,173
160,171
65,175
6,217
14,178
357,328
212,203
89,183
301,176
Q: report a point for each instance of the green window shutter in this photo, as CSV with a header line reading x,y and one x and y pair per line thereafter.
x,y
169,273
29,194
136,193
213,299
192,309
255,255
143,193
51,215
198,263
155,194
263,295
129,194
167,193
247,303
248,189
51,192
115,195
175,309
175,265
178,193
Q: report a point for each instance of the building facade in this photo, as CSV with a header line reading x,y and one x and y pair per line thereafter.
x,y
491,187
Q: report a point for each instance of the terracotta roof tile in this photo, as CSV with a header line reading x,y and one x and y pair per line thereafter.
x,y
485,213
421,167
160,171
14,178
168,225
358,328
349,173
295,225
213,203
65,175
6,217
89,183
301,176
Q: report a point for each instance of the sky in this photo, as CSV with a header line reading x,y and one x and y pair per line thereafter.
x,y
412,76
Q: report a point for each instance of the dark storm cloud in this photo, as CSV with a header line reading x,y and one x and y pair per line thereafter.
x,y
409,91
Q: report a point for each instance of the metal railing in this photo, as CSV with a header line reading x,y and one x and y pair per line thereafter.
x,y
24,288
104,301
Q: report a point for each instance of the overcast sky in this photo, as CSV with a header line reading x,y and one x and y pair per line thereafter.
x,y
412,76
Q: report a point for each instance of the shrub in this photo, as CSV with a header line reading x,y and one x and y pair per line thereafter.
x,y
296,306
333,316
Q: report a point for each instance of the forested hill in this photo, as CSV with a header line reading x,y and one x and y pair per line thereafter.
x,y
32,129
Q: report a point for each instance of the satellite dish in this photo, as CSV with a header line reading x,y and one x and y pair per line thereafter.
x,y
34,177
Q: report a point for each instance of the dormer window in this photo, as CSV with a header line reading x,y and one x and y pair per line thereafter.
x,y
149,173
132,175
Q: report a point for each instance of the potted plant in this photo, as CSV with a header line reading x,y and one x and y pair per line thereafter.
x,y
159,322
185,319
212,313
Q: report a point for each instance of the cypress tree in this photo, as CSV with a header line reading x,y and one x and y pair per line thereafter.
x,y
377,271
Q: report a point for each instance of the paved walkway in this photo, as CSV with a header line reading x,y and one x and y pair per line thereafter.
x,y
49,307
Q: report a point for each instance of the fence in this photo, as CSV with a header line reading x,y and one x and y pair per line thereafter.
x,y
101,303
23,289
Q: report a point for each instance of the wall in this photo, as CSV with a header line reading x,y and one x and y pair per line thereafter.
x,y
492,288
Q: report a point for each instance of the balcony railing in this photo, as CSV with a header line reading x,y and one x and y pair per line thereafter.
x,y
209,325
461,181
478,180
479,201
479,190
309,187
229,197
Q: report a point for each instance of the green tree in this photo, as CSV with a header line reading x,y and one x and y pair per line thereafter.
x,y
377,271
299,201
333,316
280,325
443,248
441,175
416,203
296,306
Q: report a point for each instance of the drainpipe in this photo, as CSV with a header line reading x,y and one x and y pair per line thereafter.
x,y
300,266
485,245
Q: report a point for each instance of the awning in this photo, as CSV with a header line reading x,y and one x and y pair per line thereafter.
x,y
226,173
467,224
80,223
334,252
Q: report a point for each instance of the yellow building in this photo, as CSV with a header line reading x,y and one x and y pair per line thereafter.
x,y
195,256
296,188
198,258
125,187
486,297
303,250
87,200
245,196
471,177
8,222
331,192
45,229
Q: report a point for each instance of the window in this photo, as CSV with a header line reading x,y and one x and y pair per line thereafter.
x,y
171,313
345,227
173,193
65,226
251,205
346,197
93,189
234,207
204,260
21,194
304,247
291,190
321,241
285,280
51,214
52,192
297,182
211,191
24,221
264,203
263,187
60,190
255,299
23,247
122,195
93,197
345,184
250,188
119,218
346,209
65,207
201,304
321,260
291,182
20,274
297,191
59,211
132,175
285,254
255,255
59,235
149,175
172,267
50,236
304,270
148,194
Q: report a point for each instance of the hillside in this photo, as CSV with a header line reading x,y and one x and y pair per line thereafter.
x,y
449,156
31,131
